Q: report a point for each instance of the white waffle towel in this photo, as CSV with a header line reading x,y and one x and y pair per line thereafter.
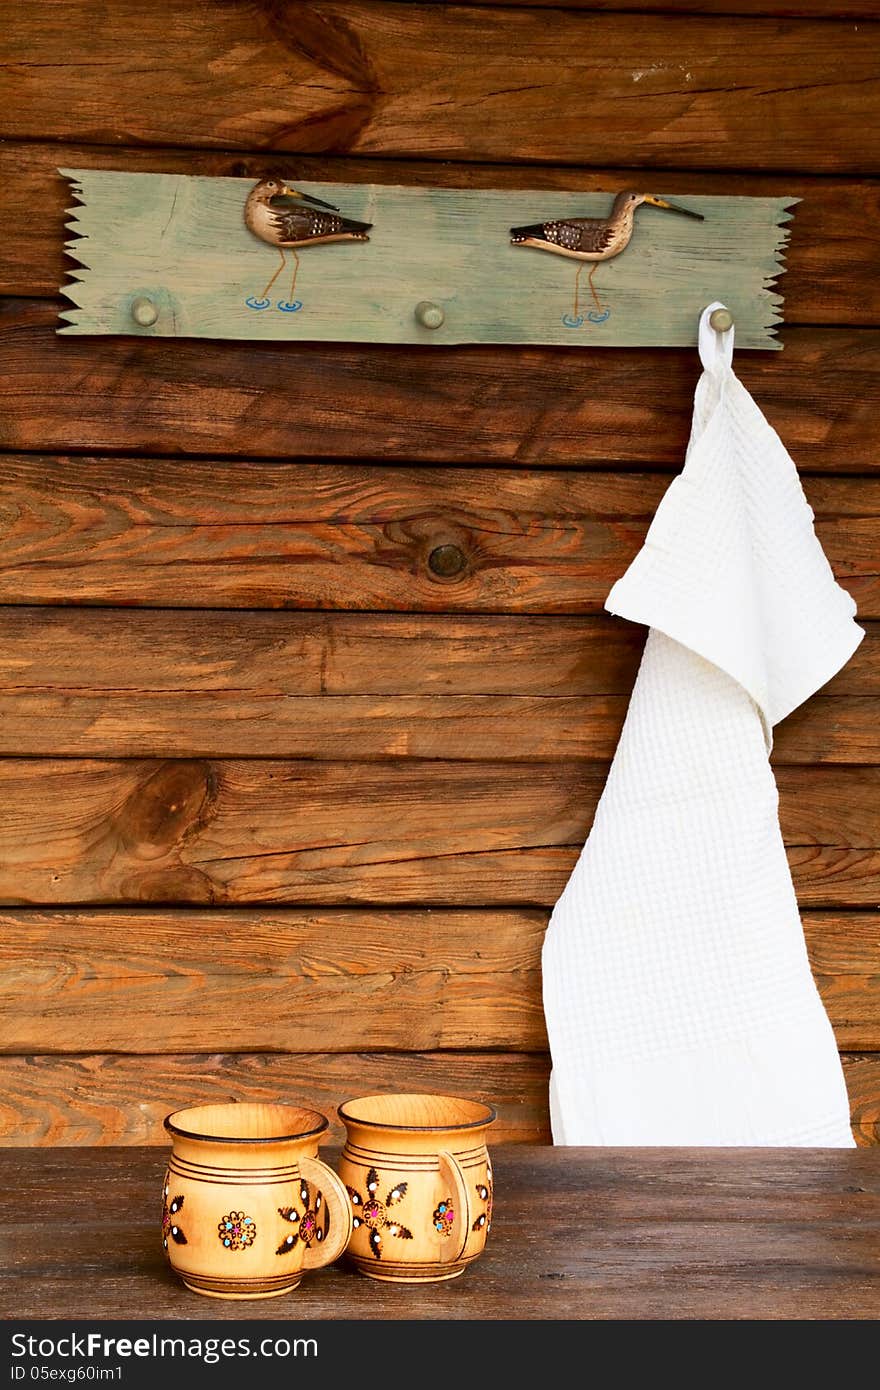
x,y
678,995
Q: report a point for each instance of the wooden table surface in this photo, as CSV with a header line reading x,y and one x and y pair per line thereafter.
x,y
577,1234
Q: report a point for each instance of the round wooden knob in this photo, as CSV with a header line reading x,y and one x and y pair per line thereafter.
x,y
721,320
446,561
144,311
429,314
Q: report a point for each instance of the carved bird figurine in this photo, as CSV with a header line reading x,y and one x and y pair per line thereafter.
x,y
592,239
286,218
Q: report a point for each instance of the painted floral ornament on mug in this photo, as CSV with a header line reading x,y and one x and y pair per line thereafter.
x,y
236,1231
372,1213
170,1229
444,1217
484,1192
312,1223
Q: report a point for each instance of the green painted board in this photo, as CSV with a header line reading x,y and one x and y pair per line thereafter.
x,y
181,242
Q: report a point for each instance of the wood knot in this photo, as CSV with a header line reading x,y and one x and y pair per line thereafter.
x,y
447,561
166,808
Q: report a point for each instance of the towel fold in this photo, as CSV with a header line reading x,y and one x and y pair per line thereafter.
x,y
678,996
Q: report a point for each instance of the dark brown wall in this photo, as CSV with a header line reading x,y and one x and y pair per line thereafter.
x,y
283,810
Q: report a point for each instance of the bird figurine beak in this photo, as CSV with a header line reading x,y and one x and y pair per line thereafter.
x,y
288,192
672,207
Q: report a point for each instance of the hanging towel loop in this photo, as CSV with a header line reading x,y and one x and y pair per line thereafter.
x,y
716,348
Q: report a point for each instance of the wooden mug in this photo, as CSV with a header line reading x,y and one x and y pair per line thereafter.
x,y
420,1182
247,1204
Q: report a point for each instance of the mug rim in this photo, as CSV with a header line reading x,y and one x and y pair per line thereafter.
x,y
172,1128
488,1118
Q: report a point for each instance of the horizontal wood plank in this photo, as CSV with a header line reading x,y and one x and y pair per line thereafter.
x,y
247,653
174,981
780,9
99,1100
403,831
560,407
448,82
344,981
626,1234
304,686
194,654
172,532
116,1099
831,261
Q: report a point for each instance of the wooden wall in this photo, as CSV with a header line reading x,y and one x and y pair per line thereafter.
x,y
286,796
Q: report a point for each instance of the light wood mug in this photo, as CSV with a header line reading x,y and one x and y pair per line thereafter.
x,y
248,1207
419,1178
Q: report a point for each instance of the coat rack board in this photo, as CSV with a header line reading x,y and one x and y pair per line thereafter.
x,y
172,255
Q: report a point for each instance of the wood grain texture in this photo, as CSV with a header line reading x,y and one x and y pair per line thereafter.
x,y
831,261
209,653
193,531
627,1234
780,9
118,1099
844,951
176,981
563,407
192,654
448,82
402,831
346,686
467,728
862,1072
171,532
255,981
96,1100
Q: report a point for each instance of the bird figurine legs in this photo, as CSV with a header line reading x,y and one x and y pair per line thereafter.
x,y
596,301
574,313
598,315
287,306
262,301
291,305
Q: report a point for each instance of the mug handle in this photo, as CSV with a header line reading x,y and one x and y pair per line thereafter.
x,y
453,1175
335,1232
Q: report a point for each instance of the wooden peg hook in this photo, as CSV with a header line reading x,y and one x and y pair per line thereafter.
x,y
721,320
